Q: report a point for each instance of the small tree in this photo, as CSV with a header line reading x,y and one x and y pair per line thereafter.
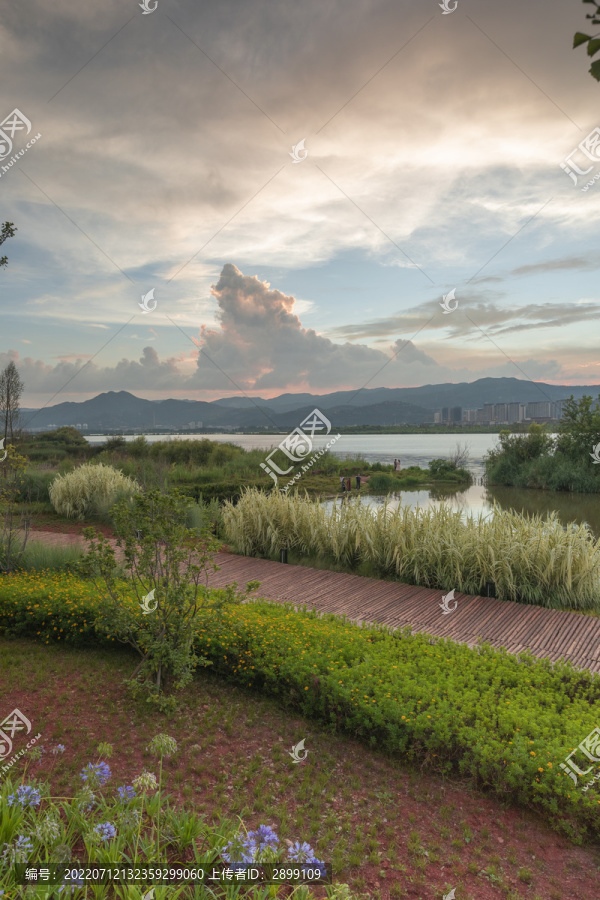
x,y
11,388
460,455
14,525
579,429
8,231
168,565
592,40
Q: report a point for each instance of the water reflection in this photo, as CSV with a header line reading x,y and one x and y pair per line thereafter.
x,y
480,498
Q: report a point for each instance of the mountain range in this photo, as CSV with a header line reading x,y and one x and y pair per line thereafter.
x,y
370,406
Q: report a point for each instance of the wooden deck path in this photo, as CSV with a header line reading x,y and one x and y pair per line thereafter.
x,y
544,632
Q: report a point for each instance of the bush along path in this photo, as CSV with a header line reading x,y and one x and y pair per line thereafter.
x,y
548,634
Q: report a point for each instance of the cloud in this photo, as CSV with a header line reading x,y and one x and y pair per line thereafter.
x,y
260,344
578,263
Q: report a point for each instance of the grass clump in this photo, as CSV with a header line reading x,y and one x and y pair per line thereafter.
x,y
90,489
529,559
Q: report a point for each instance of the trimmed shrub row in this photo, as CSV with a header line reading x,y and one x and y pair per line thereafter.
x,y
504,722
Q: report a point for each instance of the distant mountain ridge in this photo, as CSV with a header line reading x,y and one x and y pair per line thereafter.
x,y
371,406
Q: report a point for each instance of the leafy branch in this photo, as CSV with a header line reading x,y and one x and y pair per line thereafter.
x,y
592,41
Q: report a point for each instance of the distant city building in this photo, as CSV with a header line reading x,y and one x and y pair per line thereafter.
x,y
451,415
502,413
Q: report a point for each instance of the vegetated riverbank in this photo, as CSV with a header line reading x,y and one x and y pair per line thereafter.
x,y
566,461
204,469
527,559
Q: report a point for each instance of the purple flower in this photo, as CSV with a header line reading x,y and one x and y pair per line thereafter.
x,y
26,796
74,883
19,851
105,831
99,772
302,853
239,851
126,793
60,748
264,836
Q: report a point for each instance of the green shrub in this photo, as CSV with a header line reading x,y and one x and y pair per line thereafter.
x,y
381,481
503,722
89,490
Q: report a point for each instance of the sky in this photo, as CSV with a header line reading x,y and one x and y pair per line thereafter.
x,y
427,164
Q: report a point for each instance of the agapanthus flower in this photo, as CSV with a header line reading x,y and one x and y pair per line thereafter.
x,y
105,831
19,851
302,853
48,830
239,851
96,773
126,793
74,883
264,836
26,796
86,799
162,745
145,781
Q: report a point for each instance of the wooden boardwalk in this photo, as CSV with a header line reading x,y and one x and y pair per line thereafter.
x,y
544,632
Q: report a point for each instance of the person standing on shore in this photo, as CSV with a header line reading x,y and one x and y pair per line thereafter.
x,y
358,482
349,485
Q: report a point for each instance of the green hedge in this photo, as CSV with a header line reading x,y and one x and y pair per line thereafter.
x,y
503,722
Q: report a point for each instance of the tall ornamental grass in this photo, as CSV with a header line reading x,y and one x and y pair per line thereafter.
x,y
530,559
90,489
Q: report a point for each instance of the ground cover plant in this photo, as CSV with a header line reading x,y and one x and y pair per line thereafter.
x,y
504,723
528,559
393,830
131,825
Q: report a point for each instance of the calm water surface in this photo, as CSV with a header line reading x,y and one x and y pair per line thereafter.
x,y
418,450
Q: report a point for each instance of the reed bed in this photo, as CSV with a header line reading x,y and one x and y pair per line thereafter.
x,y
529,559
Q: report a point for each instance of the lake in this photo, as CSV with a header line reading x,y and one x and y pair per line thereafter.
x,y
412,449
418,450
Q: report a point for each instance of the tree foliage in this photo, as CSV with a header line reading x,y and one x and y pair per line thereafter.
x,y
592,40
167,564
8,230
11,388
